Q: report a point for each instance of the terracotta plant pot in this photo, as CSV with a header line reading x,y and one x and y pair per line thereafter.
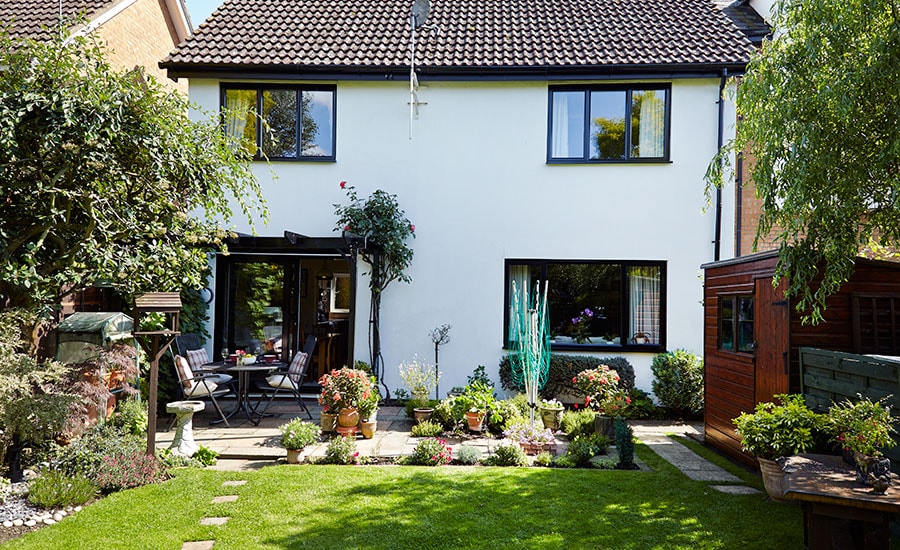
x,y
422,413
348,417
551,418
368,428
329,422
773,479
293,456
475,421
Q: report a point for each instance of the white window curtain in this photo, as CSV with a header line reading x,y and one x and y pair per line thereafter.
x,y
651,143
645,298
567,134
238,106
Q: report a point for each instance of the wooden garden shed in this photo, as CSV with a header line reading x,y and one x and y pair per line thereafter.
x,y
752,334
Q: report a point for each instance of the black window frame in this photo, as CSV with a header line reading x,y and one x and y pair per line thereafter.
x,y
627,345
629,89
735,321
299,89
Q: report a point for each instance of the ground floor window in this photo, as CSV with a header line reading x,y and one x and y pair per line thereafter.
x,y
600,303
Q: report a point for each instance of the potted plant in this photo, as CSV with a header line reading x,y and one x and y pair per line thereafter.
x,y
342,392
368,409
477,400
297,435
863,428
421,379
600,387
776,430
551,413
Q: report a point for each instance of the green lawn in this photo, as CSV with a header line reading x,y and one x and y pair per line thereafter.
x,y
396,507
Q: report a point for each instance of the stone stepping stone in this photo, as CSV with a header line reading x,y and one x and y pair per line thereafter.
x,y
224,498
736,489
198,545
235,483
214,521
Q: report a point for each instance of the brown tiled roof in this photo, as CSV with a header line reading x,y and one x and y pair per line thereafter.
x,y
37,18
527,35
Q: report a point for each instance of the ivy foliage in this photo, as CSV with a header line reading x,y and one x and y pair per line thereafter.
x,y
104,178
819,106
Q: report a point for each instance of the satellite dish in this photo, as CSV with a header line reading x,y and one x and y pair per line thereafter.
x,y
419,13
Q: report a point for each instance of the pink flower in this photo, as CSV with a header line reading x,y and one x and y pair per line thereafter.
x,y
412,228
343,184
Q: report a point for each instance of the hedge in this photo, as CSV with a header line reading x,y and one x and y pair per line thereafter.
x,y
564,367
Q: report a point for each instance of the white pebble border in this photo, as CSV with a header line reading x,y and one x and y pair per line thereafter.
x,y
47,517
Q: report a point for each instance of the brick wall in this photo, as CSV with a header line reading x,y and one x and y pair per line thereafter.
x,y
142,35
751,210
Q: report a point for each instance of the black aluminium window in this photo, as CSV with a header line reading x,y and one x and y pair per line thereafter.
x,y
736,323
596,304
609,124
281,122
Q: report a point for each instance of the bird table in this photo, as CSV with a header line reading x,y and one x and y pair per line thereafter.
x,y
838,511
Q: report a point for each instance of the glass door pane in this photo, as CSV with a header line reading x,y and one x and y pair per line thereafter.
x,y
258,307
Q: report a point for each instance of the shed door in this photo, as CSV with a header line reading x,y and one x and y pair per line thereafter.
x,y
771,325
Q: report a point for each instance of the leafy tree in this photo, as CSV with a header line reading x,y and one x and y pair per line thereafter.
x,y
103,177
819,106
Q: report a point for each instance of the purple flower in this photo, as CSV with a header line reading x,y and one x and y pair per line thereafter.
x,y
588,312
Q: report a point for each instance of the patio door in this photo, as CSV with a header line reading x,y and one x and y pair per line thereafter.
x,y
259,306
772,353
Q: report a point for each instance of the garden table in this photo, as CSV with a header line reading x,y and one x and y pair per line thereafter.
x,y
243,390
838,512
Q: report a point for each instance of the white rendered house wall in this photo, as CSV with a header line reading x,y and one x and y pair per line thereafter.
x,y
475,182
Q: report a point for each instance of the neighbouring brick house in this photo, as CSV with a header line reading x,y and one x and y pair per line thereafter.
x,y
553,140
138,33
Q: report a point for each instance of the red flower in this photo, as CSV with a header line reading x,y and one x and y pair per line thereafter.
x,y
346,228
412,228
343,184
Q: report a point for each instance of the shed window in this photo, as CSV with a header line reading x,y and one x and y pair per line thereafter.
x,y
736,323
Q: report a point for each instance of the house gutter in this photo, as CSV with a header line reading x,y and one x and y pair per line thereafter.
x,y
717,242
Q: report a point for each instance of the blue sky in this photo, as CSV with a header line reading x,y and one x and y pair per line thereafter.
x,y
201,9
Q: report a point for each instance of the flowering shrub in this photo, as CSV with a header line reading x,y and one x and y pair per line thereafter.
x,y
420,378
431,452
864,427
524,433
581,329
344,388
601,389
124,470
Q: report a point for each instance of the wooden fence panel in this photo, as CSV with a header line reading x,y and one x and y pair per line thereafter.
x,y
831,376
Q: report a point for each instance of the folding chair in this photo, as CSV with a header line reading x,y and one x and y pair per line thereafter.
x,y
193,386
292,379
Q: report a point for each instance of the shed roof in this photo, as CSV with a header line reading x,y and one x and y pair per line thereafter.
x,y
472,35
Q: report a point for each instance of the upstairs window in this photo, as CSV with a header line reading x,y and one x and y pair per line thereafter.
x,y
281,122
609,124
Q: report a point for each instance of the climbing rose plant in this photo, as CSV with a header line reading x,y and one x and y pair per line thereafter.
x,y
382,223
